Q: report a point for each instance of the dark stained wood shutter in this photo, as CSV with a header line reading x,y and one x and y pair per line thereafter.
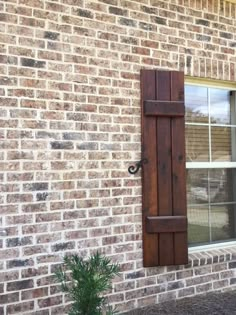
x,y
164,186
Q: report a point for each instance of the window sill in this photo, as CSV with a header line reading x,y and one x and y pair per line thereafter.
x,y
200,248
207,255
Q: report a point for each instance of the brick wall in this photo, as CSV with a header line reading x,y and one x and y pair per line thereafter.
x,y
70,127
212,270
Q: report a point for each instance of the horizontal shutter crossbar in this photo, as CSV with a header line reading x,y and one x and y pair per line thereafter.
x,y
166,224
164,108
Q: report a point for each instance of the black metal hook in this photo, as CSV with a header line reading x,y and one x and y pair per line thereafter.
x,y
133,169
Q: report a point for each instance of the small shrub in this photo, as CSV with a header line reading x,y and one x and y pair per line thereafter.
x,y
85,281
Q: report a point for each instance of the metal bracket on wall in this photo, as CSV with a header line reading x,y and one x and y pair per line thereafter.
x,y
133,169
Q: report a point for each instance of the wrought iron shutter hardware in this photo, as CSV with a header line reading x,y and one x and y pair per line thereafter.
x,y
133,169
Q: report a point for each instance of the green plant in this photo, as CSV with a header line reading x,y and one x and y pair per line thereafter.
x,y
85,281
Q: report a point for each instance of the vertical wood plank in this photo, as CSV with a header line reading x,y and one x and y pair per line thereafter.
x,y
166,249
179,188
163,85
177,86
179,170
149,171
166,244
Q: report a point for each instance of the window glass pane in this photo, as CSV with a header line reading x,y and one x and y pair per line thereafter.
x,y
222,222
222,184
198,224
197,186
197,143
220,106
213,186
222,140
196,104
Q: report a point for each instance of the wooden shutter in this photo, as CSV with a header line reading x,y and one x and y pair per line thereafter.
x,y
164,187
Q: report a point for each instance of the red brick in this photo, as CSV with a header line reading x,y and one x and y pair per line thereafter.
x,y
20,307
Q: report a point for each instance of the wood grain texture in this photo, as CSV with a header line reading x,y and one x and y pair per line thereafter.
x,y
166,240
166,245
164,191
164,224
163,108
149,171
179,170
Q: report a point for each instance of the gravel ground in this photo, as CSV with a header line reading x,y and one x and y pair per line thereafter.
x,y
207,304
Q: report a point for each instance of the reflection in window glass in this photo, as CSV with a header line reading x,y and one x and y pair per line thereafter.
x,y
197,143
222,222
198,224
197,186
221,143
210,185
220,185
211,204
196,104
220,106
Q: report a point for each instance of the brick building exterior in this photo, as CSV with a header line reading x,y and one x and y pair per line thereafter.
x,y
70,127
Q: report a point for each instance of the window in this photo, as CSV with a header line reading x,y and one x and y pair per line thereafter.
x,y
210,125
